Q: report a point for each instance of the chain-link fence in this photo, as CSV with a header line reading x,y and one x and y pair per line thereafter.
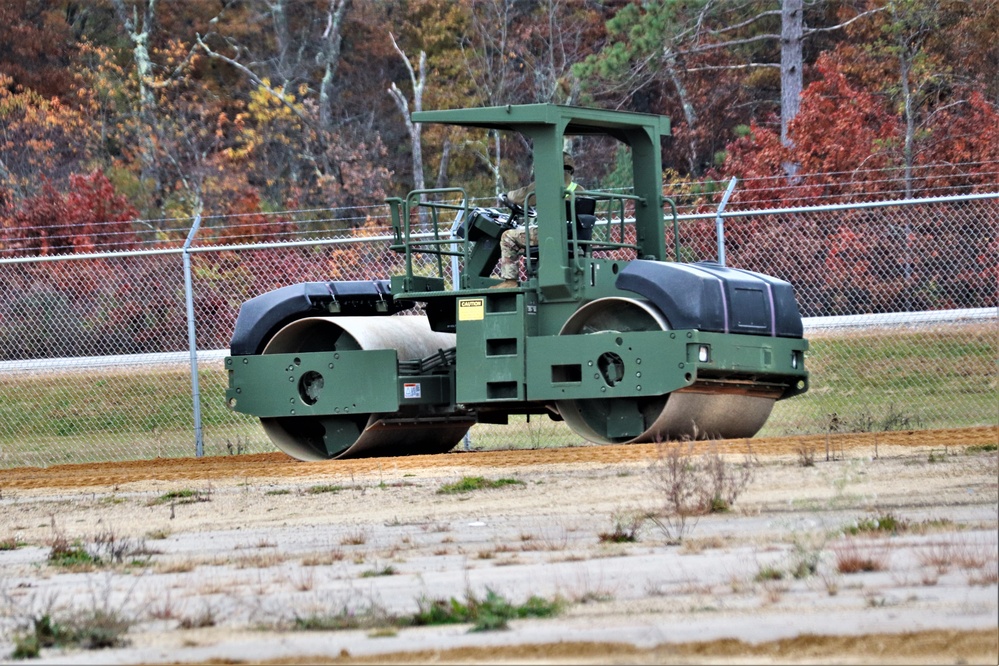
x,y
95,365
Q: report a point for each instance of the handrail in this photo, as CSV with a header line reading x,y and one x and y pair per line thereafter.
x,y
402,227
403,240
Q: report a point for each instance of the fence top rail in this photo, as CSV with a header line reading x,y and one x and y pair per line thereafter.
x,y
388,238
835,207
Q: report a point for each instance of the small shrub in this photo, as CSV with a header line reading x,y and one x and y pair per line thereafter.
x,y
806,455
65,553
626,528
938,555
806,553
691,485
10,544
206,618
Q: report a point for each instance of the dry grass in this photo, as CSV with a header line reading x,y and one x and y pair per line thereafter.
x,y
259,560
206,617
324,558
861,556
304,580
774,590
185,565
692,546
978,557
357,537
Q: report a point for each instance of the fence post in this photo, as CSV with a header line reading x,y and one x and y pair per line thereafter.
x,y
199,444
720,223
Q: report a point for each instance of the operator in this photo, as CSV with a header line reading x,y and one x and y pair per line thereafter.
x,y
513,242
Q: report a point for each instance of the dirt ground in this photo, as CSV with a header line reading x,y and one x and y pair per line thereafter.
x,y
881,551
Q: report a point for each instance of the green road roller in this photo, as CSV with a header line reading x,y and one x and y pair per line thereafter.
x,y
602,331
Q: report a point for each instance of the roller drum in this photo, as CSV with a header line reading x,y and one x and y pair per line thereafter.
x,y
700,412
364,434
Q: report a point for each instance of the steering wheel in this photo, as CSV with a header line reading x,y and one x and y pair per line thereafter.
x,y
517,209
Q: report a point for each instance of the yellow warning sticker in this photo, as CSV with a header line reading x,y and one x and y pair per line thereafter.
x,y
471,309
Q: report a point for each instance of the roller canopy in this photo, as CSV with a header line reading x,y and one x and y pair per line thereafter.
x,y
710,297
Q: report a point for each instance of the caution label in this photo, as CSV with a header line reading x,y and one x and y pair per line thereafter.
x,y
471,309
411,391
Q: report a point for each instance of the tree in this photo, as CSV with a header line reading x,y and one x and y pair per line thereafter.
x,y
928,61
839,139
37,46
418,82
316,155
39,137
91,216
672,43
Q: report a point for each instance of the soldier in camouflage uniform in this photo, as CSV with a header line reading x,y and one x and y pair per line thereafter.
x,y
514,241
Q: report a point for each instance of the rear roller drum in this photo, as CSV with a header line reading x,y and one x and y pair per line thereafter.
x,y
695,413
361,435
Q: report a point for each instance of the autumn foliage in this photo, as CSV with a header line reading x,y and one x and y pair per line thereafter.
x,y
119,128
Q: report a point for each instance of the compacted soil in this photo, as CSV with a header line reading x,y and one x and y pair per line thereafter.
x,y
850,549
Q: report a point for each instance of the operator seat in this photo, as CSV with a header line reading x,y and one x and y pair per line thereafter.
x,y
581,228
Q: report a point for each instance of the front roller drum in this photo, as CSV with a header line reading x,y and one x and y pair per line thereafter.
x,y
313,438
697,412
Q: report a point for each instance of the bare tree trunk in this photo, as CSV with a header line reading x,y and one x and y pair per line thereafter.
x,y
418,80
139,36
689,113
497,178
792,18
329,58
445,162
905,66
791,76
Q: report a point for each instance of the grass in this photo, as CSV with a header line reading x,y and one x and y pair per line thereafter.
x,y
890,381
325,488
488,613
982,448
469,484
886,523
938,379
184,496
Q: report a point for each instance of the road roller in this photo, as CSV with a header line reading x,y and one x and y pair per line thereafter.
x,y
604,331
